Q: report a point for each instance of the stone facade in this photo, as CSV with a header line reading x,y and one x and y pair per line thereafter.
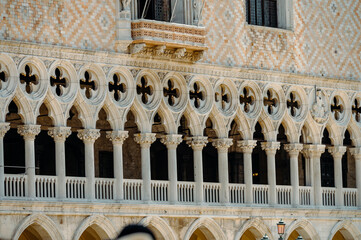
x,y
215,131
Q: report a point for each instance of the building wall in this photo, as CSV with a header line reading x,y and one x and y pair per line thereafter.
x,y
325,40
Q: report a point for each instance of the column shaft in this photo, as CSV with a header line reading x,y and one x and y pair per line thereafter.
x,y
293,151
4,127
356,153
337,153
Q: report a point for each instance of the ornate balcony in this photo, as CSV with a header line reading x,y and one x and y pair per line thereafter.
x,y
166,40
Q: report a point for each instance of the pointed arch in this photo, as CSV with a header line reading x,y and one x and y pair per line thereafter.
x,y
55,110
258,227
209,228
115,116
25,109
269,127
336,133
141,118
293,134
244,126
194,123
305,228
160,225
311,131
43,224
84,114
169,123
347,229
355,133
220,126
102,226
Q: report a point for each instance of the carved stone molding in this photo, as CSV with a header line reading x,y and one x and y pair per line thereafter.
x,y
356,152
270,147
59,133
293,149
313,150
171,141
4,127
197,143
247,146
88,135
117,137
337,151
29,132
145,139
222,144
320,110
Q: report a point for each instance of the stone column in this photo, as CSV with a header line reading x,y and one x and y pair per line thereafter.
x,y
4,127
222,146
117,138
246,147
29,133
294,150
172,141
356,153
145,140
197,144
313,153
88,136
59,134
271,149
337,153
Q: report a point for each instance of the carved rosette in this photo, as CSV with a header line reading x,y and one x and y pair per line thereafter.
x,y
4,127
59,133
270,147
247,146
293,149
356,152
88,135
29,132
117,137
171,141
222,144
337,151
197,143
313,151
319,110
145,139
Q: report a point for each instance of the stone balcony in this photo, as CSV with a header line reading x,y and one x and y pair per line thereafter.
x,y
166,40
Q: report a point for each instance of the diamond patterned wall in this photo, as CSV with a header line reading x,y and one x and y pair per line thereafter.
x,y
326,40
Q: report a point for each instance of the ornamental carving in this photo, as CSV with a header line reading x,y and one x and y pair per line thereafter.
x,y
270,147
222,144
59,133
29,132
172,141
117,137
88,135
145,139
197,143
320,110
4,127
124,5
293,149
247,146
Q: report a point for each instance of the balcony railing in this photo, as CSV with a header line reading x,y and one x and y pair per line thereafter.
x,y
16,186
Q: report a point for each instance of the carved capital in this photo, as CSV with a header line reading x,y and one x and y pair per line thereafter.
x,y
29,132
270,147
247,146
145,139
293,149
59,133
197,143
337,151
136,48
117,137
88,135
180,52
222,144
356,152
313,151
4,127
171,141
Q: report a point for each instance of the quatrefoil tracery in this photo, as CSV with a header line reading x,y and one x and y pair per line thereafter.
x,y
247,100
59,82
171,92
223,97
356,110
197,95
28,79
145,90
117,87
270,102
293,104
337,108
88,84
3,77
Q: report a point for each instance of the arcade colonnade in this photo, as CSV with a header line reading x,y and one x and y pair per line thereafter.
x,y
305,113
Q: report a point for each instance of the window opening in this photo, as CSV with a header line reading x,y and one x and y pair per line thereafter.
x,y
262,12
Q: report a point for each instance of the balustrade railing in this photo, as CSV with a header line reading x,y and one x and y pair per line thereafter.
x,y
236,193
284,195
14,185
185,192
45,186
328,196
132,189
104,188
305,195
349,197
75,187
260,194
211,192
159,191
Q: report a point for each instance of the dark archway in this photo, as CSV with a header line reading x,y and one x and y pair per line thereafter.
x,y
259,158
